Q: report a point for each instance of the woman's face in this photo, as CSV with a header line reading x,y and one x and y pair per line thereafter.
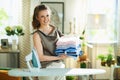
x,y
44,17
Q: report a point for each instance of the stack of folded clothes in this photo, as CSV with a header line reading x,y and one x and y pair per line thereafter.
x,y
69,45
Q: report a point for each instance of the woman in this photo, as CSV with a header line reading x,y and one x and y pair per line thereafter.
x,y
44,39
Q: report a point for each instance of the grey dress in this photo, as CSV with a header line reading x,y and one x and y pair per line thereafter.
x,y
49,44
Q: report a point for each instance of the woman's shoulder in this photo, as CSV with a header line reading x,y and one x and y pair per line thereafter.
x,y
35,33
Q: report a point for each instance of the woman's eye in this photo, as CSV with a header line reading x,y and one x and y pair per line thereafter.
x,y
47,15
42,16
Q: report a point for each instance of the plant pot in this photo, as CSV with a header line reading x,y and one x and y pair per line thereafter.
x,y
82,65
70,77
113,62
103,63
109,63
83,57
118,60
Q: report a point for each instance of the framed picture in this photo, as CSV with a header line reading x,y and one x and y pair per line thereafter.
x,y
57,14
4,43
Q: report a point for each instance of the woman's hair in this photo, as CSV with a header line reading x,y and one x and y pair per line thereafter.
x,y
35,22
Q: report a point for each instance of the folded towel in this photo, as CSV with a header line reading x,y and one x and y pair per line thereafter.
x,y
74,53
71,49
68,46
71,54
65,40
59,51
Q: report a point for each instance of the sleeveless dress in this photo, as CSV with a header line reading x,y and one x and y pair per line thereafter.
x,y
49,44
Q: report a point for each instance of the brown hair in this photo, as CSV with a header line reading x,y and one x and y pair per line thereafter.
x,y
35,22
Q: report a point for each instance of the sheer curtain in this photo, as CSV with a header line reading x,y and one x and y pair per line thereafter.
x,y
13,10
117,46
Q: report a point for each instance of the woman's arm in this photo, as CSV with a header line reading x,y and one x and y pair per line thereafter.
x,y
38,46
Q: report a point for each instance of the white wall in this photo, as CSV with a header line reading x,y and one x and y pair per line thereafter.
x,y
73,9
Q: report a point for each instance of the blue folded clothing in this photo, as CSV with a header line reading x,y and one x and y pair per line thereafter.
x,y
71,50
72,53
68,46
79,53
59,51
59,54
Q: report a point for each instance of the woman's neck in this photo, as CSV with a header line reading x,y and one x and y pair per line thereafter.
x,y
46,29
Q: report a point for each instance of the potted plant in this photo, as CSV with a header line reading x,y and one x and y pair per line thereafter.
x,y
102,57
70,77
83,64
15,30
83,57
110,60
82,38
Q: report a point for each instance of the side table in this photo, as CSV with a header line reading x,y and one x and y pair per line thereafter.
x,y
10,51
113,67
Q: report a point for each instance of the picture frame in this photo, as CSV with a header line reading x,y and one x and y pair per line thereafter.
x,y
4,43
57,14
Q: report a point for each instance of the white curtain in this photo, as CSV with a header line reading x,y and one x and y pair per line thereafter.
x,y
118,30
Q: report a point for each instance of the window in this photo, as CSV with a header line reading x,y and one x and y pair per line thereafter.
x,y
12,12
101,24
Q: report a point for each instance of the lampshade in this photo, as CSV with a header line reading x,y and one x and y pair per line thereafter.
x,y
96,21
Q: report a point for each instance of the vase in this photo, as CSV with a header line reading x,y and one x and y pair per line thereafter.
x,y
14,43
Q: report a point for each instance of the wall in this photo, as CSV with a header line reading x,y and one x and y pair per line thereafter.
x,y
71,12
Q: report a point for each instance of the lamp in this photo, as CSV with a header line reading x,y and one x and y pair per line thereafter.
x,y
96,21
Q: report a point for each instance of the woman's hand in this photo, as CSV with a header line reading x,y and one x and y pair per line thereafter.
x,y
63,56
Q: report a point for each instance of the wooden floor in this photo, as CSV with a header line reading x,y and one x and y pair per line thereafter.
x,y
4,76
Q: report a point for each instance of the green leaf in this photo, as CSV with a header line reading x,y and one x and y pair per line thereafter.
x,y
3,16
82,38
83,32
109,57
102,57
